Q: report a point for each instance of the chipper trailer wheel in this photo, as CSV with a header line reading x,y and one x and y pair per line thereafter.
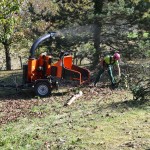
x,y
42,89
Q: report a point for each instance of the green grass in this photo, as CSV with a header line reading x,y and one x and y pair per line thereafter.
x,y
99,120
86,124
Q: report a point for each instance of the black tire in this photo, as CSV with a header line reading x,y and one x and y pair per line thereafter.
x,y
42,89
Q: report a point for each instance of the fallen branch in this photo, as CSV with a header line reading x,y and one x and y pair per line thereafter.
x,y
69,102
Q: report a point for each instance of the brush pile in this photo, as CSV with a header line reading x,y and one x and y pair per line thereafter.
x,y
141,90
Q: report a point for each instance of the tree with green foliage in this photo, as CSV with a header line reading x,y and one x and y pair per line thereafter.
x,y
9,19
109,23
139,37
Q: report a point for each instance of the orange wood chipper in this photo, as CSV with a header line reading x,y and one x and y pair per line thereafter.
x,y
42,74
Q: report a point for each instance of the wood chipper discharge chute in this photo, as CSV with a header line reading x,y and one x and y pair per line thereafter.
x,y
41,74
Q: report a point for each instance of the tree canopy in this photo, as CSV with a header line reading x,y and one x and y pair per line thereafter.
x,y
107,24
9,20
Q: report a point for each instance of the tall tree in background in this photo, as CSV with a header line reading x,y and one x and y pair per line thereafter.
x,y
140,17
98,7
9,18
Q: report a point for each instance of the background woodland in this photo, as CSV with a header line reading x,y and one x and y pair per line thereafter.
x,y
86,28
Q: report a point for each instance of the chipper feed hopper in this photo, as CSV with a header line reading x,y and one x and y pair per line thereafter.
x,y
43,75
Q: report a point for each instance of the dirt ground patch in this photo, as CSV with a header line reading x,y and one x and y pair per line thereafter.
x,y
19,104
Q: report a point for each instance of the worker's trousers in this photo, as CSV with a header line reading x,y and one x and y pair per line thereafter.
x,y
101,71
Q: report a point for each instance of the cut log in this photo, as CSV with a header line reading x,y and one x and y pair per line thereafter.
x,y
73,98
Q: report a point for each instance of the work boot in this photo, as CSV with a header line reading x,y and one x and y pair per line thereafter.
x,y
95,84
114,86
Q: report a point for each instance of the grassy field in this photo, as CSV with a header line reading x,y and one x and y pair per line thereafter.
x,y
95,121
101,119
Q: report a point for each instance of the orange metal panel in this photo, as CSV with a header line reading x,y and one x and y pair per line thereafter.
x,y
59,68
32,65
67,61
48,67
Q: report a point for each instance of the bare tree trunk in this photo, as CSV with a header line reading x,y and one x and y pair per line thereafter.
x,y
97,42
7,55
81,60
21,62
98,6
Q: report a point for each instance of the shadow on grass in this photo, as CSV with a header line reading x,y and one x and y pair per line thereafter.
x,y
12,94
59,94
125,105
26,94
8,82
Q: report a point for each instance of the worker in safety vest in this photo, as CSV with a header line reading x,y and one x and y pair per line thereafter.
x,y
106,64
